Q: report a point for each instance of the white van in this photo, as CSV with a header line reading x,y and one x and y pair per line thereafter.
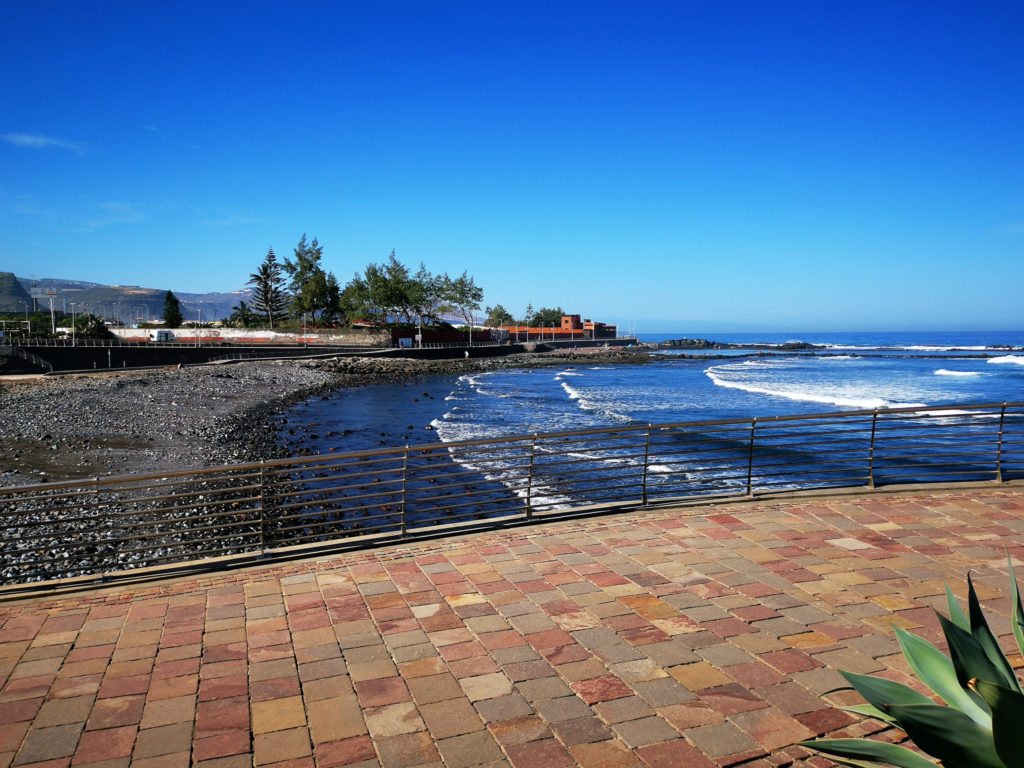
x,y
161,336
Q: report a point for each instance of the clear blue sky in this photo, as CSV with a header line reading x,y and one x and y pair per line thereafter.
x,y
778,166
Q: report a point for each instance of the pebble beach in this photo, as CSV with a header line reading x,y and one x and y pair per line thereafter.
x,y
142,422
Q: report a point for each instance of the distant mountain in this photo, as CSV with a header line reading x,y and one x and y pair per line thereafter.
x,y
130,304
13,296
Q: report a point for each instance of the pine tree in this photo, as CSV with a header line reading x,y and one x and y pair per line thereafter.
x,y
172,311
312,290
268,295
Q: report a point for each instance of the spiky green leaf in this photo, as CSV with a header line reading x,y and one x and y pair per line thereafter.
x,y
980,631
866,749
866,710
948,735
969,659
1007,721
935,670
881,693
956,613
1018,610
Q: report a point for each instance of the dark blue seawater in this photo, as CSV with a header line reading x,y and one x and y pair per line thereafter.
x,y
856,372
912,369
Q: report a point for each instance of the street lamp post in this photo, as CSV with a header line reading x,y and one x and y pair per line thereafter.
x,y
72,323
53,317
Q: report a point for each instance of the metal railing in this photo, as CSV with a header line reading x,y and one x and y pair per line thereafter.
x,y
333,501
8,351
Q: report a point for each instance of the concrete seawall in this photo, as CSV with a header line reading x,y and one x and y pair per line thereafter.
x,y
67,358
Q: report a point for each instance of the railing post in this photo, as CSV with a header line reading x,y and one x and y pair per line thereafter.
x,y
750,459
262,504
999,449
405,475
871,451
647,453
529,479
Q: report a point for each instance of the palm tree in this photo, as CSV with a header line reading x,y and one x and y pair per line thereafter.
x,y
242,315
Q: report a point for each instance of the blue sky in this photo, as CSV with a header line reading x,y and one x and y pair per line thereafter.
x,y
674,165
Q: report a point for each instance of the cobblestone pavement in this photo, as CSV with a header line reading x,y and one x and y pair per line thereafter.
x,y
698,637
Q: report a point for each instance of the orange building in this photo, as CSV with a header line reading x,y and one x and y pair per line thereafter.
x,y
572,327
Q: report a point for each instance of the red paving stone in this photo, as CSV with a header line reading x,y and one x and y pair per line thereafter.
x,y
699,637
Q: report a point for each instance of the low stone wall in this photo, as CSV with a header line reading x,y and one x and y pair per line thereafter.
x,y
354,337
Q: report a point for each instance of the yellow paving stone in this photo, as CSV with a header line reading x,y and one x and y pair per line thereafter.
x,y
277,714
657,610
280,746
894,602
619,590
311,638
699,676
808,640
472,598
468,568
850,578
335,718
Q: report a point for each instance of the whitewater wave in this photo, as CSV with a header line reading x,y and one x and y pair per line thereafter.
x,y
933,348
830,398
1015,359
509,472
590,405
944,372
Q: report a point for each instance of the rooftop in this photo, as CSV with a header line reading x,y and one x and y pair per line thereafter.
x,y
706,636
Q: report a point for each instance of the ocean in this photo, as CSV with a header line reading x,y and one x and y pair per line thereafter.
x,y
855,371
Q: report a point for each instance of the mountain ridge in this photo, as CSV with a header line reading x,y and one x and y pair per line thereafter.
x,y
129,303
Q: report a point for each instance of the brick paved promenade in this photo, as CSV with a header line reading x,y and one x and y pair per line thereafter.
x,y
686,638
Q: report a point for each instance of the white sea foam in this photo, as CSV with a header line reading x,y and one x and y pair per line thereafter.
x,y
932,348
819,396
944,372
574,394
590,405
1016,359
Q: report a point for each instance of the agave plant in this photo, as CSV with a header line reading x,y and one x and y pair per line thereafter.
x,y
981,724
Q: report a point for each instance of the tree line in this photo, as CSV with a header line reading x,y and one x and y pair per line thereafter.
x,y
301,290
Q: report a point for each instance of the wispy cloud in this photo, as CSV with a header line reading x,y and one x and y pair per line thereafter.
x,y
109,214
38,141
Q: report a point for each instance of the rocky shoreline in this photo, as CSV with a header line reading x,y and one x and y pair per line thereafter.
x,y
143,422
156,421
